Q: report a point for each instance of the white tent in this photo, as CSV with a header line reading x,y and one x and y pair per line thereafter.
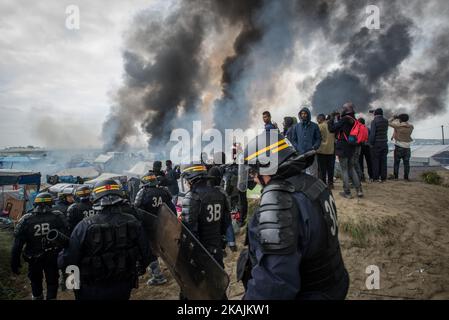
x,y
83,172
139,169
103,158
105,176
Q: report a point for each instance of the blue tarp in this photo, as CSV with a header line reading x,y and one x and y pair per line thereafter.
x,y
15,159
11,177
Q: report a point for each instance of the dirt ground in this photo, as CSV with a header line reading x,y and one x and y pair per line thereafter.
x,y
401,227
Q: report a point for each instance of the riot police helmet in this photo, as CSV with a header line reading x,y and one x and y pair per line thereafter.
x,y
107,193
149,180
82,193
272,154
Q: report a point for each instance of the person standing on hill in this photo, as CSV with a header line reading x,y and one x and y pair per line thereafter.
x,y
365,153
325,153
378,140
269,125
402,139
345,150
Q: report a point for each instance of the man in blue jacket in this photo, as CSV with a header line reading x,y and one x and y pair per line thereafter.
x,y
306,134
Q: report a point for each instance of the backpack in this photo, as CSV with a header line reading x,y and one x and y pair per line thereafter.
x,y
358,134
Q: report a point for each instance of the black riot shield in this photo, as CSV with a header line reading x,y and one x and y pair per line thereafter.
x,y
196,271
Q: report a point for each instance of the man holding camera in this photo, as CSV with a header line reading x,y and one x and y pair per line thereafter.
x,y
402,140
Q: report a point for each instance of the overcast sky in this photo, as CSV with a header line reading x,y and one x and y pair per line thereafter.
x,y
55,83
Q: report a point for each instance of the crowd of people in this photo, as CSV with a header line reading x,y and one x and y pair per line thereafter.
x,y
331,138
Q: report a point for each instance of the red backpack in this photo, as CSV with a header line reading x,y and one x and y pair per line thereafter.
x,y
358,134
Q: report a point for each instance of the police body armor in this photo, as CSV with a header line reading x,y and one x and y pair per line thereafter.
x,y
151,198
78,211
34,227
207,210
323,268
110,248
61,206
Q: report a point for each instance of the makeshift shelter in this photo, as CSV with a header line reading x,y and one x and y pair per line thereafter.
x,y
57,188
105,176
86,173
17,191
139,169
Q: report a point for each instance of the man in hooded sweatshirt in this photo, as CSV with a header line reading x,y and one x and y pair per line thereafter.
x,y
344,150
402,139
306,136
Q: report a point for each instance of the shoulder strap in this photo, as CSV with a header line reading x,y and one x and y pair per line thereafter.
x,y
310,186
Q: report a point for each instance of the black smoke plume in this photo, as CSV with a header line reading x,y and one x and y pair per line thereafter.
x,y
369,58
167,72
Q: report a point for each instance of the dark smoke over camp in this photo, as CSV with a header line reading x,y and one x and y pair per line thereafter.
x,y
170,63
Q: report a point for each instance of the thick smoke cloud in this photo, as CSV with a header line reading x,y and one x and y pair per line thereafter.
x,y
368,58
427,91
167,63
164,70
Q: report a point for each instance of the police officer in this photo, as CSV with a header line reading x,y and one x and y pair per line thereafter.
x,y
172,174
81,209
149,198
65,199
204,210
293,236
30,232
107,247
157,170
216,180
237,199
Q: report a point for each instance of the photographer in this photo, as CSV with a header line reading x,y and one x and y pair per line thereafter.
x,y
402,140
341,125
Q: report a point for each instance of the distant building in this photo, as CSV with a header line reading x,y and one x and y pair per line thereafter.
x,y
426,156
110,162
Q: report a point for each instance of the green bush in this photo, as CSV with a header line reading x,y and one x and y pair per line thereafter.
x,y
432,177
